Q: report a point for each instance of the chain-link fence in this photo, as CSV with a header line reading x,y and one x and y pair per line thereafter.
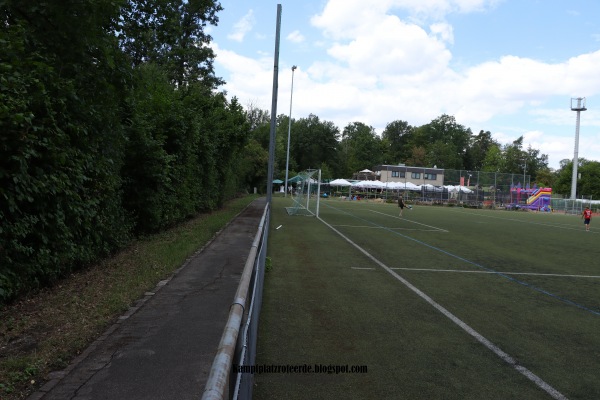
x,y
478,189
570,206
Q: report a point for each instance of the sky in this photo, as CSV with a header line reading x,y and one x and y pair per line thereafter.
x,y
511,67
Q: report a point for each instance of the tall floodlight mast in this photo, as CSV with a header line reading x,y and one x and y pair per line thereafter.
x,y
287,157
577,104
274,109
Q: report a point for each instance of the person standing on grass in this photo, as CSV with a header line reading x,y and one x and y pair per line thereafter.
x,y
587,216
400,204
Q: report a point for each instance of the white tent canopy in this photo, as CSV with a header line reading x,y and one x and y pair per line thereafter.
x,y
401,186
395,185
412,186
340,182
432,188
463,189
369,184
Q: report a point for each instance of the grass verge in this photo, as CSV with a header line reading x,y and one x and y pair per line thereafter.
x,y
44,331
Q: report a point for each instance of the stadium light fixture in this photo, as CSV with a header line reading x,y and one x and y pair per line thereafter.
x,y
287,158
579,106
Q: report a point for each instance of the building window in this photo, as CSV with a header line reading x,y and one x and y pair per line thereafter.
x,y
395,174
415,175
431,177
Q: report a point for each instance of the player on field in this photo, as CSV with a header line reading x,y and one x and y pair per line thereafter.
x,y
401,204
586,215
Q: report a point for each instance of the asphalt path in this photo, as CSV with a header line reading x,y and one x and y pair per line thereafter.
x,y
164,346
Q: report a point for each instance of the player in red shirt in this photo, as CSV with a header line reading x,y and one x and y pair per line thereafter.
x,y
587,216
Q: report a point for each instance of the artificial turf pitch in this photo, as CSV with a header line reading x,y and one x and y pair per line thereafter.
x,y
527,283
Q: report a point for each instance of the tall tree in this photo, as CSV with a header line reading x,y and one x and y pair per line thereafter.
x,y
536,163
514,157
361,147
396,137
478,149
494,159
417,157
443,132
256,117
171,34
588,179
313,142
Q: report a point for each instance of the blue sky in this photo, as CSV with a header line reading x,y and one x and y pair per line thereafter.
x,y
510,67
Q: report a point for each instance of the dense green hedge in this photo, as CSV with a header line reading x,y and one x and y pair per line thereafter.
x,y
94,150
181,153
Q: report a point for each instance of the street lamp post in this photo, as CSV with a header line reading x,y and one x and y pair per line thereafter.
x,y
524,171
287,158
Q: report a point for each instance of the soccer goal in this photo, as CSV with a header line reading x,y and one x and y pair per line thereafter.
x,y
305,200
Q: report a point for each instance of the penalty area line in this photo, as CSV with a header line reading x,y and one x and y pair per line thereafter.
x,y
494,272
408,220
480,338
387,228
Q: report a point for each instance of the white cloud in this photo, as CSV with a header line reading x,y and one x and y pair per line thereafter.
x,y
444,31
242,27
295,37
340,18
383,67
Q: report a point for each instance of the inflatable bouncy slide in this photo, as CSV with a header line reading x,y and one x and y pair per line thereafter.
x,y
538,199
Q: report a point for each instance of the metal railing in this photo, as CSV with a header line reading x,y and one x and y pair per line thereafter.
x,y
235,349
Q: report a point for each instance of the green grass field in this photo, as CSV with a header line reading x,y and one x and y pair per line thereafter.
x,y
443,303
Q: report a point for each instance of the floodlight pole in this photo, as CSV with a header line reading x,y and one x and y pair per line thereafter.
x,y
273,109
579,107
287,158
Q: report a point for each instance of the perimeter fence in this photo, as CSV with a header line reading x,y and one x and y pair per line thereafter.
x,y
472,188
468,188
487,189
237,349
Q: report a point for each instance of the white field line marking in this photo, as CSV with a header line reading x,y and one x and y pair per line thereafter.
x,y
481,339
387,228
564,300
361,268
494,272
408,220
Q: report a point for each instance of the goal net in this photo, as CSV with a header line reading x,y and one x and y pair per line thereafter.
x,y
305,199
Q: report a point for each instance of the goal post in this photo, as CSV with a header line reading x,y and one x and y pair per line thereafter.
x,y
306,193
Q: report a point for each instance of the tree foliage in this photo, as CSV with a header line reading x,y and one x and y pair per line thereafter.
x,y
171,34
61,146
360,147
588,179
313,142
103,138
397,137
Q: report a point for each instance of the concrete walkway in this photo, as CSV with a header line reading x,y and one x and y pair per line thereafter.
x,y
164,346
